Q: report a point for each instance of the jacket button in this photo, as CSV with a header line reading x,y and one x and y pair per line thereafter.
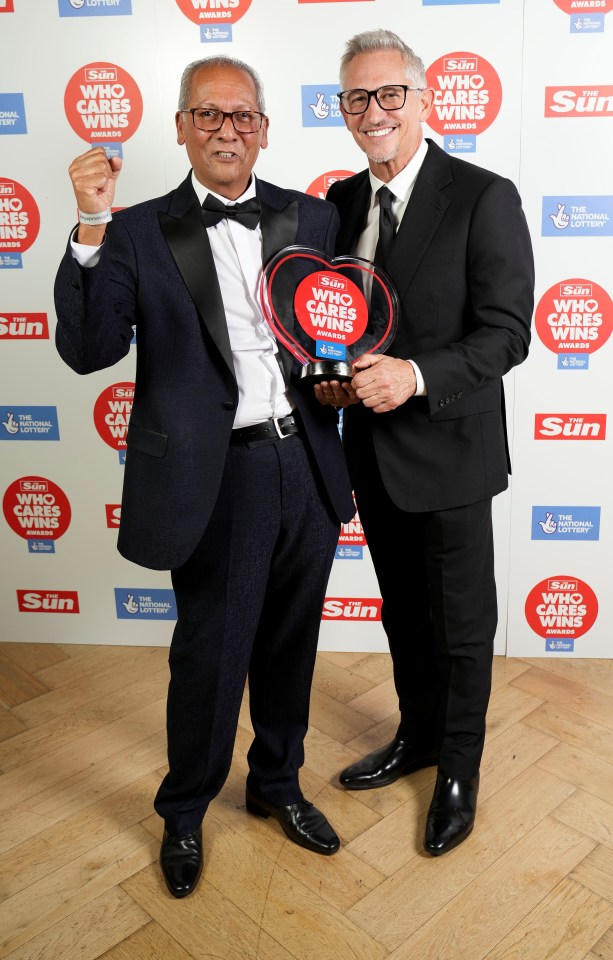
x,y
441,403
229,405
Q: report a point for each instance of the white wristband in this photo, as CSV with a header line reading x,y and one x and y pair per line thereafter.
x,y
94,219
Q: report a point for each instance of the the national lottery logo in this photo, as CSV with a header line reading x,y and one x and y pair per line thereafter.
x,y
213,11
320,106
320,186
103,102
579,101
561,607
29,423
112,414
565,523
94,8
352,608
133,603
570,426
12,114
48,601
24,326
577,216
574,315
330,307
467,94
19,217
36,507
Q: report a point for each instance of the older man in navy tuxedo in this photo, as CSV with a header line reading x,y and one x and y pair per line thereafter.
x,y
235,478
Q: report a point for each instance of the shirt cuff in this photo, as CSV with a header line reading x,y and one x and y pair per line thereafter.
x,y
85,255
420,386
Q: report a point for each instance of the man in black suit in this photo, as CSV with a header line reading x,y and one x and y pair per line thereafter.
x,y
235,479
424,429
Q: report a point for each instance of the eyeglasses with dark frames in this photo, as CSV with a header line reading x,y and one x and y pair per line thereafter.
x,y
209,120
390,97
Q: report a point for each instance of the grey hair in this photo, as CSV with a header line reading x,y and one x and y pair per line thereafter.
x,y
191,68
372,41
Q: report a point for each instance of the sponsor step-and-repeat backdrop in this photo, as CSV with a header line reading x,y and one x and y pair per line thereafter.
x,y
523,89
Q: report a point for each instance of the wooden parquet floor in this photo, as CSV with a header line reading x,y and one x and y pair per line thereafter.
x,y
82,749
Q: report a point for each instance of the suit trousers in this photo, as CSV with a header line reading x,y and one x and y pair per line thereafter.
x,y
436,577
249,602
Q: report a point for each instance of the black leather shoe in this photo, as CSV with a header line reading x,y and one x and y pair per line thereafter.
x,y
181,860
451,816
302,822
386,765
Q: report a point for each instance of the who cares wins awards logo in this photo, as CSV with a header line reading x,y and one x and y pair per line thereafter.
x,y
582,6
574,318
37,510
320,186
561,609
112,412
103,102
19,220
467,98
213,11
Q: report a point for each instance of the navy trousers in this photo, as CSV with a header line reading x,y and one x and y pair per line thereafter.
x,y
249,602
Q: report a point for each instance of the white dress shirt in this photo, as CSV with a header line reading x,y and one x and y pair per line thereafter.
x,y
237,252
401,186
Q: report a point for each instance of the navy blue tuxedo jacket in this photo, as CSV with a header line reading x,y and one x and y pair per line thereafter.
x,y
156,271
463,268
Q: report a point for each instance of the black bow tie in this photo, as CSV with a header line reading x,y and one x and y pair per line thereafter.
x,y
247,213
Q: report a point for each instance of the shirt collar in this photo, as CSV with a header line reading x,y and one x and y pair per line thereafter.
x,y
402,184
202,192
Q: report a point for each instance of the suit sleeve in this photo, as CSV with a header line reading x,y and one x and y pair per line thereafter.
x,y
95,306
492,334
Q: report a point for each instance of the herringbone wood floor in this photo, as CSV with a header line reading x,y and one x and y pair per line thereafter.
x,y
82,749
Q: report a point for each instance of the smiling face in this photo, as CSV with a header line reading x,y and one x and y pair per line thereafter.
x,y
223,160
388,138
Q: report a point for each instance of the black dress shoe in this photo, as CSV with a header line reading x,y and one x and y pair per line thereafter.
x,y
451,816
181,860
302,822
386,765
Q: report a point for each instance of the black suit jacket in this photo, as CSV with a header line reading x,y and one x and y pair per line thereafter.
x,y
156,271
463,268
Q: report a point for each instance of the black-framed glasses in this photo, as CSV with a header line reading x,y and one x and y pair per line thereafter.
x,y
209,120
390,97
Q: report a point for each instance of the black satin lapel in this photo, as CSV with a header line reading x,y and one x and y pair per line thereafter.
x,y
191,250
421,220
279,229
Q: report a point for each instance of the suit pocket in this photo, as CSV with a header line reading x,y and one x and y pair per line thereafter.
x,y
146,441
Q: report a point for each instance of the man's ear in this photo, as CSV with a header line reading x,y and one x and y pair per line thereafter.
x,y
179,126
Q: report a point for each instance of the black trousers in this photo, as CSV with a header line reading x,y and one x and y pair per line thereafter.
x,y
249,601
436,577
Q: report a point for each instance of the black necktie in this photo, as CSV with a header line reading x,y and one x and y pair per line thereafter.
x,y
247,213
387,227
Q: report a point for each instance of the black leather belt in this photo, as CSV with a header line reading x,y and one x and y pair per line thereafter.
x,y
276,429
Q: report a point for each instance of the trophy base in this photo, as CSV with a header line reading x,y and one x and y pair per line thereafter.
x,y
326,370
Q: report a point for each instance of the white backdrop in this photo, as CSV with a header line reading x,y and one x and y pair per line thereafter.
x,y
524,88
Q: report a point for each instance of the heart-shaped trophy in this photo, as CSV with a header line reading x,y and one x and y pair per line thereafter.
x,y
328,312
